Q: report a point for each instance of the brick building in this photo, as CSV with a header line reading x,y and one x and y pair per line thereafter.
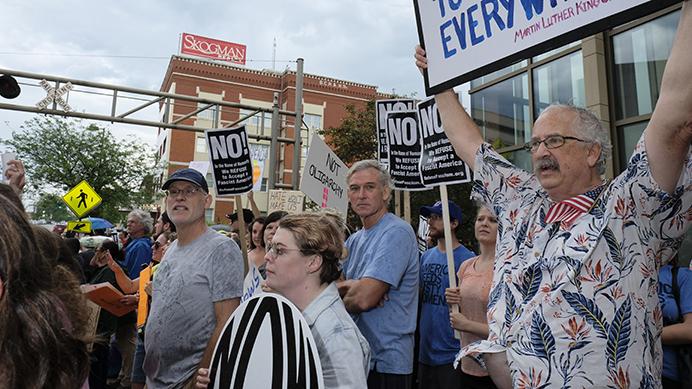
x,y
324,105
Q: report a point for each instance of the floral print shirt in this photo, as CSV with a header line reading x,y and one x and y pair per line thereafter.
x,y
576,306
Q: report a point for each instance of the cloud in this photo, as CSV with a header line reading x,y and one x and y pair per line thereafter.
x,y
364,41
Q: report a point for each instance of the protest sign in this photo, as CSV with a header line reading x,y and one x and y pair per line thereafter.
x,y
324,178
422,234
200,166
464,40
107,297
258,155
143,305
230,160
439,164
404,150
290,201
382,108
94,311
266,343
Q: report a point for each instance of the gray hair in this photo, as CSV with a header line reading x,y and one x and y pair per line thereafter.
x,y
384,177
590,128
143,217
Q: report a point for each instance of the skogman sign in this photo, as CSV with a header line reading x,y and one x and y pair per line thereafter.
x,y
465,39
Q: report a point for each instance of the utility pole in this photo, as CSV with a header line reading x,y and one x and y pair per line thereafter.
x,y
297,150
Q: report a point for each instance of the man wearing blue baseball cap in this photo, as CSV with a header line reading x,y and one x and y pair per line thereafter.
x,y
196,288
438,347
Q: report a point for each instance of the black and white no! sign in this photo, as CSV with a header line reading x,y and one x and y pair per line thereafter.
x,y
229,155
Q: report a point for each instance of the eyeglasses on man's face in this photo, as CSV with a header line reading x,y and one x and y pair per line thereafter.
x,y
174,192
550,142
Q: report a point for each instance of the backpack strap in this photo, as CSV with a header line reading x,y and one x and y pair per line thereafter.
x,y
676,289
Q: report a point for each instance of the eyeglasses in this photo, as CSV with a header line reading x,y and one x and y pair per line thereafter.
x,y
184,192
274,251
551,142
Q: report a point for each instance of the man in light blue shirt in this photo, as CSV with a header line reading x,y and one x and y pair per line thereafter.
x,y
381,277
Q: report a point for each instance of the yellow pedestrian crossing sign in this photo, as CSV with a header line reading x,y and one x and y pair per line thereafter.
x,y
82,199
79,226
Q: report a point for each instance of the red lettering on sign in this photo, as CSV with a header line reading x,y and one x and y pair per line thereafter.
x,y
212,48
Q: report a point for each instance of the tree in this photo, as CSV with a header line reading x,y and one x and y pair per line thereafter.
x,y
356,139
51,208
59,153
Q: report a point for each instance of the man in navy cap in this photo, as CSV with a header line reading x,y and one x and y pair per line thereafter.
x,y
438,347
196,288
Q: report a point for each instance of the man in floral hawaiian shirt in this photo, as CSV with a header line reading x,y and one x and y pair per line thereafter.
x,y
574,301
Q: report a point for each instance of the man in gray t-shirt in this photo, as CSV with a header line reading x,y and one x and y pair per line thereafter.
x,y
196,288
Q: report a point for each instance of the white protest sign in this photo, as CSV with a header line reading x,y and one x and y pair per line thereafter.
x,y
290,201
404,150
382,108
439,164
200,166
422,234
464,40
259,155
324,177
230,160
266,343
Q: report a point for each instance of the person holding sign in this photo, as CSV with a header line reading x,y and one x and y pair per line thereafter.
x,y
255,258
107,322
438,347
196,289
574,301
475,278
303,265
381,277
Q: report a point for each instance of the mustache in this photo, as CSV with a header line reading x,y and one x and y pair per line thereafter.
x,y
546,163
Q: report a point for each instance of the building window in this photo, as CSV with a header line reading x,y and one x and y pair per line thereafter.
x,y
628,136
640,55
497,74
541,57
502,112
211,113
259,123
559,81
314,122
209,215
201,144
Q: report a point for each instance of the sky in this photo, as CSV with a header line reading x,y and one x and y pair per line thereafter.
x,y
365,41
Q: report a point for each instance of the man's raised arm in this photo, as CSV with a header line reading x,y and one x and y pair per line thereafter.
x,y
669,133
461,130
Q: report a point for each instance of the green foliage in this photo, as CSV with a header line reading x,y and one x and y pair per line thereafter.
x,y
50,207
59,153
355,139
